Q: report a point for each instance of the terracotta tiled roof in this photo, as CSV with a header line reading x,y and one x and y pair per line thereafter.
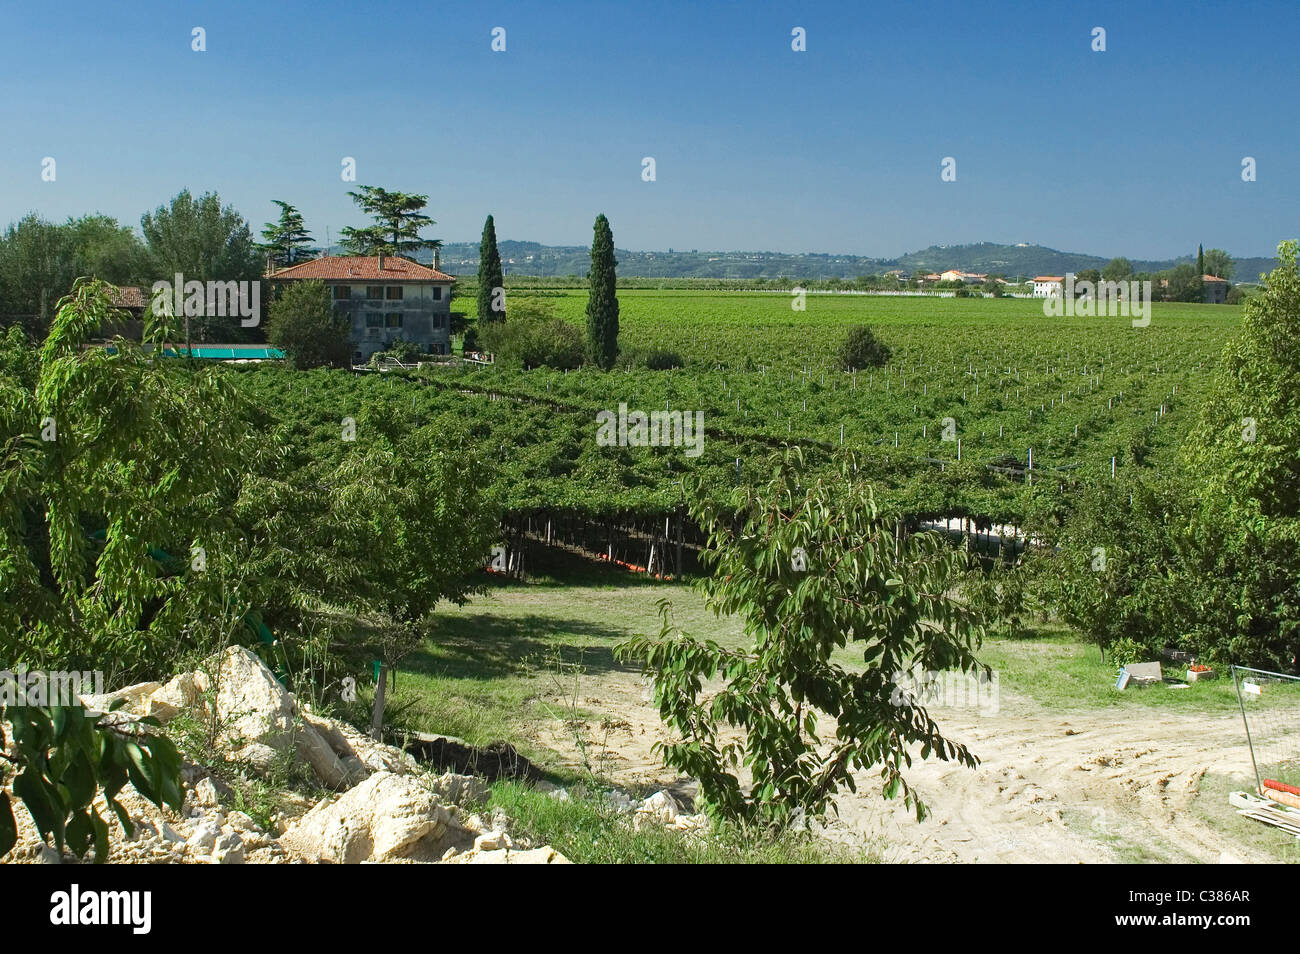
x,y
128,296
1213,278
1049,278
361,268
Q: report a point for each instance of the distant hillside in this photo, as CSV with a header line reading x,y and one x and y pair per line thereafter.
x,y
533,258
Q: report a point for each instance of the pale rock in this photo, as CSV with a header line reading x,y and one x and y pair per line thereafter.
x,y
660,807
453,789
316,752
45,855
229,849
205,837
204,794
134,697
358,752
240,822
385,818
251,704
179,695
492,841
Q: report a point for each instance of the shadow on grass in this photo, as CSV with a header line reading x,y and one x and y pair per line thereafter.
x,y
495,647
555,566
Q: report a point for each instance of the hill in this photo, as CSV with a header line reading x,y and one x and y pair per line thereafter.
x,y
534,258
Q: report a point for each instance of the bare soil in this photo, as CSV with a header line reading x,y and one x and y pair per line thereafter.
x,y
1089,786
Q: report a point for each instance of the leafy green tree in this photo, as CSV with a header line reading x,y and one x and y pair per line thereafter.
x,y
304,324
1243,448
1117,270
399,217
203,241
117,465
1219,264
891,597
602,300
40,260
862,349
418,524
1111,570
1185,284
489,276
287,241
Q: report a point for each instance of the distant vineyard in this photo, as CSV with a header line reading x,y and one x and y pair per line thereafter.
x,y
988,380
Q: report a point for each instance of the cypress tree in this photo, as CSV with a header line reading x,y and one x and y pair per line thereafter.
x,y
489,274
1200,260
602,301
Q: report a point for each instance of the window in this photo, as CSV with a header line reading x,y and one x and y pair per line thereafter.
x,y
393,293
437,293
342,292
375,292
374,320
393,320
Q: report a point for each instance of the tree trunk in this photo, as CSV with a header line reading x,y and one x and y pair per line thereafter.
x,y
377,713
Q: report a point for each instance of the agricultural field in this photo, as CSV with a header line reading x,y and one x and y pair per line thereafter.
x,y
1076,391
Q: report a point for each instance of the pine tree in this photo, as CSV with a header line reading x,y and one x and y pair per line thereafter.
x,y
398,217
602,301
288,240
489,276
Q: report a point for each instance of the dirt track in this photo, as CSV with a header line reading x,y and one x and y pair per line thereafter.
x,y
1088,786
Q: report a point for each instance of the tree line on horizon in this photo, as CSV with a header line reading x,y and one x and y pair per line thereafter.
x,y
207,241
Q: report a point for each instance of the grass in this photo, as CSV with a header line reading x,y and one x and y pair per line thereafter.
x,y
1211,805
586,829
1056,669
486,664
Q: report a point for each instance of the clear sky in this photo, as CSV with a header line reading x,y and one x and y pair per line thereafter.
x,y
1134,151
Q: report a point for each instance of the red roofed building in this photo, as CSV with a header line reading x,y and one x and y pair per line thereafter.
x,y
387,297
1046,286
1216,289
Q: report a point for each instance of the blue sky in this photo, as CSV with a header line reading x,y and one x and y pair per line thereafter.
x,y
1134,151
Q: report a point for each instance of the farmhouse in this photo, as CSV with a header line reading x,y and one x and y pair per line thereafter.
x,y
387,298
1216,289
970,278
1046,286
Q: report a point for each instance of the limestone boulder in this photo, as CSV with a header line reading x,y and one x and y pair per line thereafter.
x,y
386,818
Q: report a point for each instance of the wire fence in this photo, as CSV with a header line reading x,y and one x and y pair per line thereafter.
x,y
1270,711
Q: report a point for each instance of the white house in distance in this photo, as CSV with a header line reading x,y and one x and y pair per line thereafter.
x,y
386,297
970,278
1047,286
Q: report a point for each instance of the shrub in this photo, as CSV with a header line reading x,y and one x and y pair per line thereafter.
x,y
532,338
406,352
304,325
653,359
861,349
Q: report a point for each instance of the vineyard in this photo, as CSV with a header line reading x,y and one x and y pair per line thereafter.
x,y
982,410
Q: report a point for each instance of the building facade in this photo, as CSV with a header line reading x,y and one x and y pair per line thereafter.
x,y
1216,289
386,297
1046,286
